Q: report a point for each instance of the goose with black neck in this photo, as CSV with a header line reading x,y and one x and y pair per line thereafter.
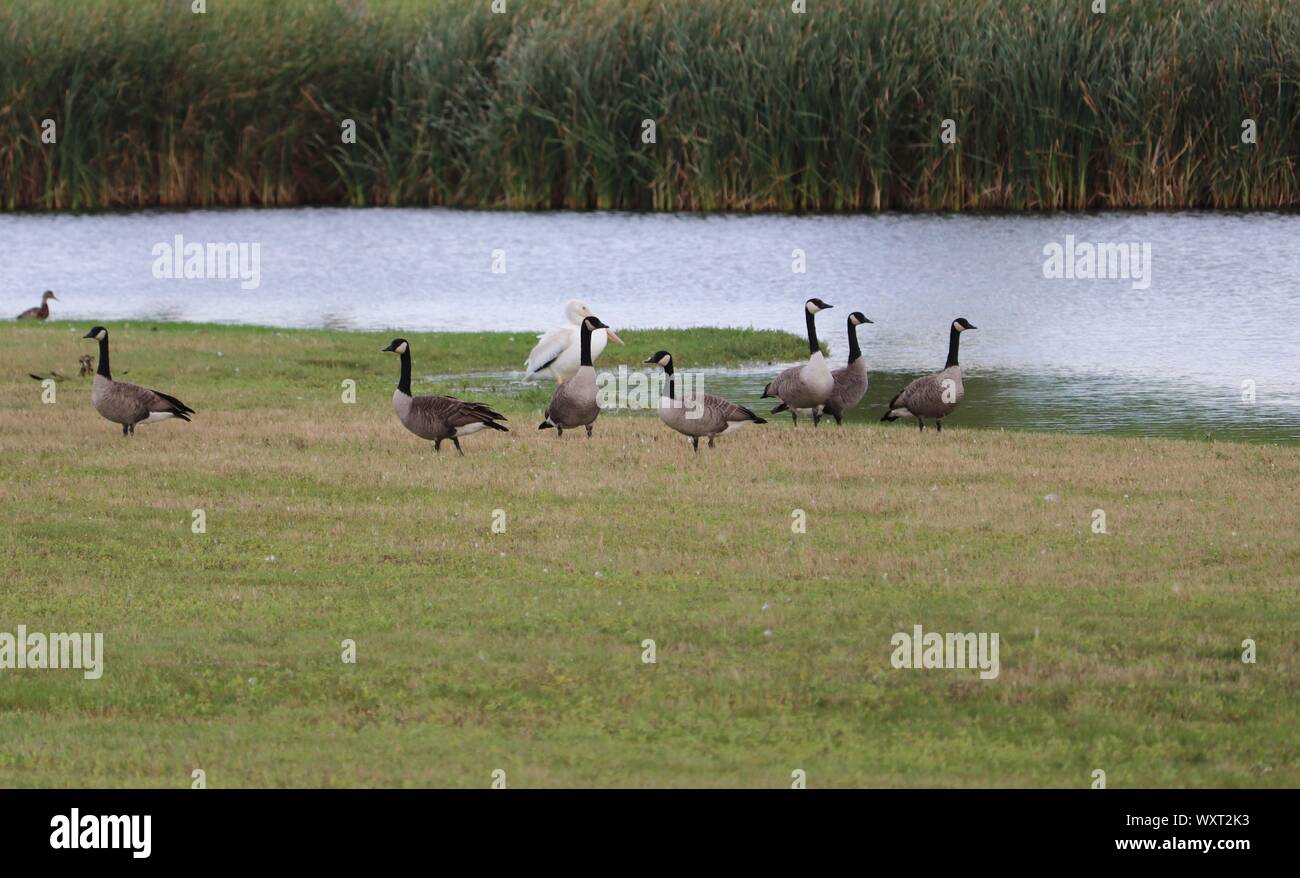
x,y
805,388
851,380
933,396
698,414
574,402
129,404
437,417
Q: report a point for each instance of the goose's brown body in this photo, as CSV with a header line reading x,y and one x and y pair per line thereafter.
x,y
437,417
850,387
129,404
805,388
443,417
574,403
696,414
933,396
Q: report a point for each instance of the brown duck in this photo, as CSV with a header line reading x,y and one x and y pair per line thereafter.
x,y
41,311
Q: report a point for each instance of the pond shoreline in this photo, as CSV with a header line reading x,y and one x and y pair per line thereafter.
x,y
735,364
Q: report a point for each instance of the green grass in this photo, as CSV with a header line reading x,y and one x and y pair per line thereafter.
x,y
521,650
269,360
756,108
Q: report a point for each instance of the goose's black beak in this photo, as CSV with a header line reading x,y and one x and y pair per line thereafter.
x,y
650,361
89,335
387,350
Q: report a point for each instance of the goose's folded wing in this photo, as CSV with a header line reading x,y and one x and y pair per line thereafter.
x,y
786,382
725,412
721,411
733,412
134,401
924,393
549,346
161,402
451,411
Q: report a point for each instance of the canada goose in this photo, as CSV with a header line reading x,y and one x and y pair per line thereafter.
x,y
437,417
574,402
806,387
851,381
42,311
699,414
558,353
933,396
129,404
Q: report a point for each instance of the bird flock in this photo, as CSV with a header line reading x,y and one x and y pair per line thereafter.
x,y
567,354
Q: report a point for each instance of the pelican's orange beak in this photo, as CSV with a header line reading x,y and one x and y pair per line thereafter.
x,y
613,336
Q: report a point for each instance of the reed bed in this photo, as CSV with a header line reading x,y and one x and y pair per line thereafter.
x,y
756,107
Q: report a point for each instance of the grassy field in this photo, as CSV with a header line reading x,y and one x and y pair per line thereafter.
x,y
522,650
755,107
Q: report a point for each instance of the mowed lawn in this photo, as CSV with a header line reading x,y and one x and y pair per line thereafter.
x,y
522,650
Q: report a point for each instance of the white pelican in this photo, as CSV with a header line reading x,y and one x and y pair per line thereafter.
x,y
559,352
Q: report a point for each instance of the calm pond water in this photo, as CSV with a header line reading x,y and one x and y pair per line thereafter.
x,y
1177,352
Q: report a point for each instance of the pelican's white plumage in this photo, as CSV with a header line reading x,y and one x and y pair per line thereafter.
x,y
558,353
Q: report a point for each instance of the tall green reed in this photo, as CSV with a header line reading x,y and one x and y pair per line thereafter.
x,y
755,107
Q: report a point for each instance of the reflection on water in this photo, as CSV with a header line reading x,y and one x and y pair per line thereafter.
x,y
1222,307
